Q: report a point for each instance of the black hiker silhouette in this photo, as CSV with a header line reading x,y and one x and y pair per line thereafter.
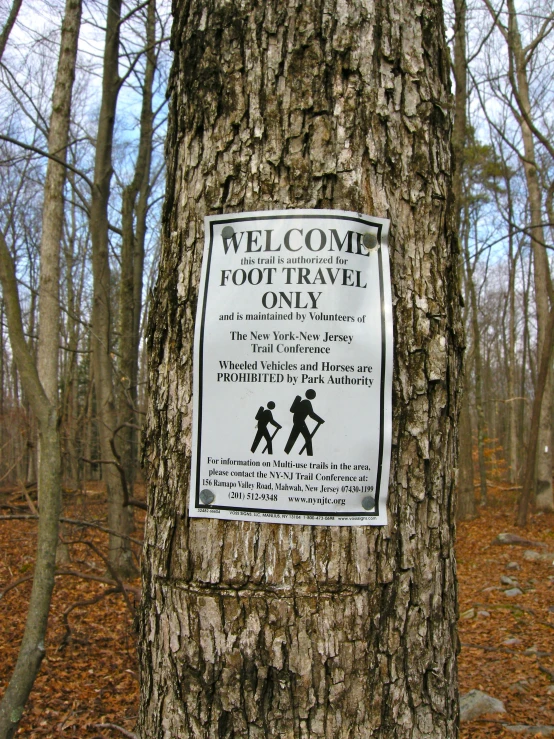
x,y
301,410
264,417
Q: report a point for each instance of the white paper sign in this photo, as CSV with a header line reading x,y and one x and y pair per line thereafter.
x,y
293,369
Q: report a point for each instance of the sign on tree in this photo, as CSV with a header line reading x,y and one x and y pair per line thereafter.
x,y
293,368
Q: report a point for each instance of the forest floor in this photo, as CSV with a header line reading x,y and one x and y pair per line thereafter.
x,y
89,680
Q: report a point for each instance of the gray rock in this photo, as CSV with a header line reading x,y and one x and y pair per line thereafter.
x,y
535,650
512,592
511,642
517,540
476,703
505,580
530,730
513,566
484,614
531,556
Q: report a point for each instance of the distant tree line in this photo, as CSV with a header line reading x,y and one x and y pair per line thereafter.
x,y
503,72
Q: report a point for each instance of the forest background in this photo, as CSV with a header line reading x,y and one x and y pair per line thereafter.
x,y
80,220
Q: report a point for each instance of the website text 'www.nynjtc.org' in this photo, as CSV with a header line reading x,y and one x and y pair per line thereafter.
x,y
317,501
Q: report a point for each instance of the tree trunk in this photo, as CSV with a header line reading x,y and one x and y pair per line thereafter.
x,y
30,477
467,508
9,24
69,404
478,376
526,349
544,497
134,212
53,206
119,521
53,219
466,491
41,382
544,369
31,651
3,462
513,443
261,630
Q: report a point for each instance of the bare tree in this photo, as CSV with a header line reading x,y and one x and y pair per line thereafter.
x,y
466,491
119,519
520,57
276,630
134,221
41,384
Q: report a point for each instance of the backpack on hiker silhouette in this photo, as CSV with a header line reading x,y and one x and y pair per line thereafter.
x,y
295,404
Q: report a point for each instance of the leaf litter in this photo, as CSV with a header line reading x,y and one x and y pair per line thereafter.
x,y
508,653
88,681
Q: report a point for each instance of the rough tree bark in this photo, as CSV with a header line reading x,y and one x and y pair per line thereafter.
x,y
302,631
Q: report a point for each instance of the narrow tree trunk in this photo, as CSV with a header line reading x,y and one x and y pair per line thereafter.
x,y
53,216
544,498
478,377
467,508
69,377
9,24
41,382
513,443
30,477
53,206
31,651
102,342
466,491
132,262
3,462
88,472
526,348
264,630
544,369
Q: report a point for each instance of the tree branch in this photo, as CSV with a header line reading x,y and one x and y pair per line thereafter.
x,y
43,153
9,25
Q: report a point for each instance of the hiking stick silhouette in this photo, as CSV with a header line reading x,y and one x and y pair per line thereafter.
x,y
311,436
272,437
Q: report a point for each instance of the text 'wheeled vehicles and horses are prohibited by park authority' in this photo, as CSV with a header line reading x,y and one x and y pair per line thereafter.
x,y
293,369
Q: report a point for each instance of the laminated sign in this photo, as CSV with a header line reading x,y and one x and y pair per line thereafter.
x,y
293,369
